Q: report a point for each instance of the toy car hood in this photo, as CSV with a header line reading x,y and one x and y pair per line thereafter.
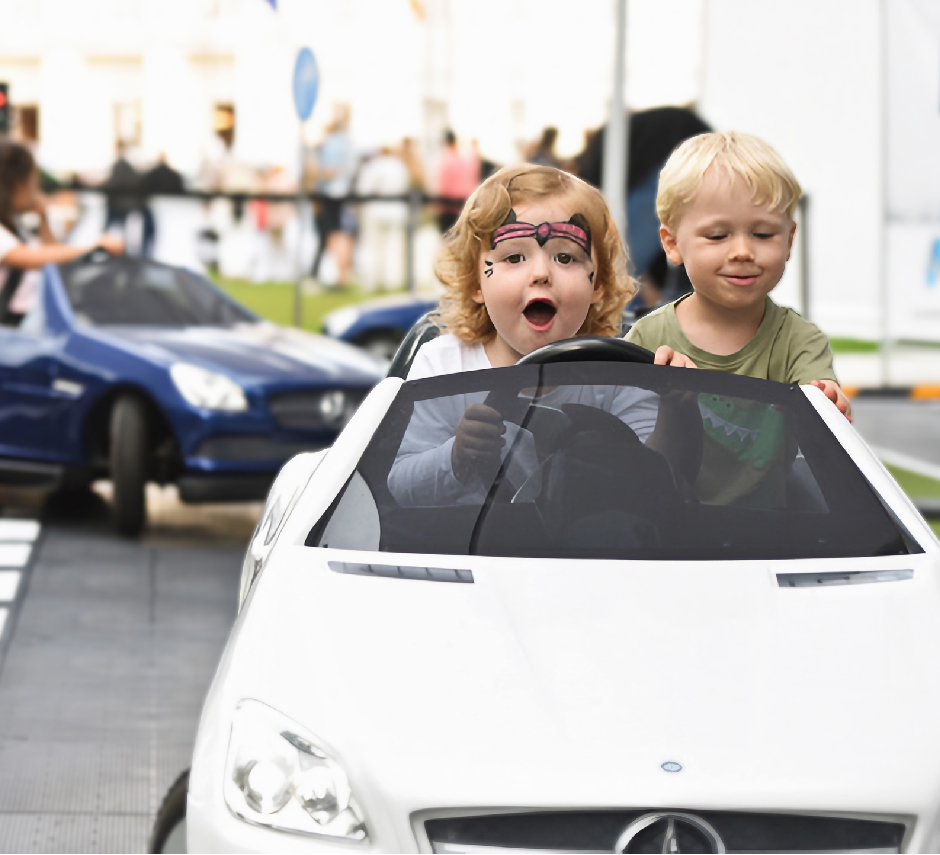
x,y
604,673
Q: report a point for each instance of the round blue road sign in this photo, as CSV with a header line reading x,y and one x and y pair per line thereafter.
x,y
306,82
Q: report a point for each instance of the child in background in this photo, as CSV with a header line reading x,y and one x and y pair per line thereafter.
x,y
20,194
534,258
726,203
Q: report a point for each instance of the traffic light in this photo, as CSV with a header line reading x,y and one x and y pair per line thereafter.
x,y
5,108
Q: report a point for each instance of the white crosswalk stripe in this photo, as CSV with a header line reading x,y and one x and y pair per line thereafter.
x,y
19,530
9,583
16,543
14,554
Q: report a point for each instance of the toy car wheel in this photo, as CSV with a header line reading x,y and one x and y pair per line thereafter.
x,y
383,344
129,465
169,827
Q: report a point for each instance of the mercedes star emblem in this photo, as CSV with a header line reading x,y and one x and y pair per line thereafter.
x,y
661,830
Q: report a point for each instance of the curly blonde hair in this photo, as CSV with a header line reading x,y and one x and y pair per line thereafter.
x,y
458,264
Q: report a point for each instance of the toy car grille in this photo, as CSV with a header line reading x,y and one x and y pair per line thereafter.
x,y
648,830
328,409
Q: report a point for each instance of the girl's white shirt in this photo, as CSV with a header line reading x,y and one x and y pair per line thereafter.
x,y
422,473
447,354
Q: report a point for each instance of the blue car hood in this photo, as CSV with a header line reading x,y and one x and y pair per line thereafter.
x,y
254,353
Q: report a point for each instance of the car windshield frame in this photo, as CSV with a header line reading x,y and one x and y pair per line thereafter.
x,y
847,518
128,291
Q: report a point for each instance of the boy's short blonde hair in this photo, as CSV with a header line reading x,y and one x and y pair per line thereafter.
x,y
458,265
742,155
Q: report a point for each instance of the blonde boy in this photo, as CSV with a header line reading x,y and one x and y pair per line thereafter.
x,y
725,204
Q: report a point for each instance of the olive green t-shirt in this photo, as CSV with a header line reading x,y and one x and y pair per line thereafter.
x,y
745,452
785,347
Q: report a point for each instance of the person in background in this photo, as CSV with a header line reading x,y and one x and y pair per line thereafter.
x,y
412,160
20,261
486,167
543,153
126,183
334,172
383,223
653,134
457,177
162,179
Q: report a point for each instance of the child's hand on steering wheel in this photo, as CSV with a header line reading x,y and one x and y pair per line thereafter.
x,y
665,355
478,445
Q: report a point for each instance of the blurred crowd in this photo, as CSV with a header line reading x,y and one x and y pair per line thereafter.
x,y
344,239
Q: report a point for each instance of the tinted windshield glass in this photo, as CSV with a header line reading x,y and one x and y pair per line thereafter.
x,y
133,292
604,460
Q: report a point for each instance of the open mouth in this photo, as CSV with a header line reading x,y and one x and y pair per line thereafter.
x,y
540,313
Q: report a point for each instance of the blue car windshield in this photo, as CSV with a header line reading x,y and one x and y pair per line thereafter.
x,y
134,292
608,460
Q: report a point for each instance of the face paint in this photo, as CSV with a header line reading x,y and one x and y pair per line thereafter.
x,y
536,281
575,229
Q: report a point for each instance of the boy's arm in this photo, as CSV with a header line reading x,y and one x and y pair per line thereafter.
x,y
811,364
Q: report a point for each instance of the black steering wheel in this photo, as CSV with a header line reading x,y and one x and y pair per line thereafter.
x,y
588,348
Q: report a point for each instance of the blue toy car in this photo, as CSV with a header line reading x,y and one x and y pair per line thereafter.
x,y
136,371
377,326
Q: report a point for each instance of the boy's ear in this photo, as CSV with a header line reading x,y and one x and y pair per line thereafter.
x,y
790,239
668,239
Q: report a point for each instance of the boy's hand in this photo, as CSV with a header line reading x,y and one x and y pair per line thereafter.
x,y
665,355
478,444
836,395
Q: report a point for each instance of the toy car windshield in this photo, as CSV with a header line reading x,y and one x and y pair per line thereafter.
x,y
128,291
612,461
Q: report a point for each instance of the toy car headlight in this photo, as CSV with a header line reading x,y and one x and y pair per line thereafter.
x,y
204,388
276,775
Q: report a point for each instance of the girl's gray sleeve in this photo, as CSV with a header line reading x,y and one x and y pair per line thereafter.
x,y
637,408
422,473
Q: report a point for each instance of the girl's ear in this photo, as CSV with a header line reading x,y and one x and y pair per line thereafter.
x,y
477,296
668,239
598,293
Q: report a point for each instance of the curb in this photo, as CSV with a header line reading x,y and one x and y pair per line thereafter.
x,y
924,392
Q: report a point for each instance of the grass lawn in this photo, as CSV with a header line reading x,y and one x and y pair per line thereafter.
x,y
918,487
274,301
859,345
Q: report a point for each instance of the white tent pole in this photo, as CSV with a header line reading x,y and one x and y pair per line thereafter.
x,y
884,301
616,140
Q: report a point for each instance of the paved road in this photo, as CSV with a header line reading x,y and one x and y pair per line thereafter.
x,y
907,427
108,649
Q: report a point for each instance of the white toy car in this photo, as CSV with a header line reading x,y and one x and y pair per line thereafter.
x,y
690,612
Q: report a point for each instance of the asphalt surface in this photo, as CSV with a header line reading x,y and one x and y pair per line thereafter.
x,y
105,656
107,647
903,426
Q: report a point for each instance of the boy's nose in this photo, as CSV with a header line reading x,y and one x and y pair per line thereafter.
x,y
741,249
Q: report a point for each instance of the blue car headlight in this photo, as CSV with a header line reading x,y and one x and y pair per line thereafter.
x,y
208,389
337,322
276,775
